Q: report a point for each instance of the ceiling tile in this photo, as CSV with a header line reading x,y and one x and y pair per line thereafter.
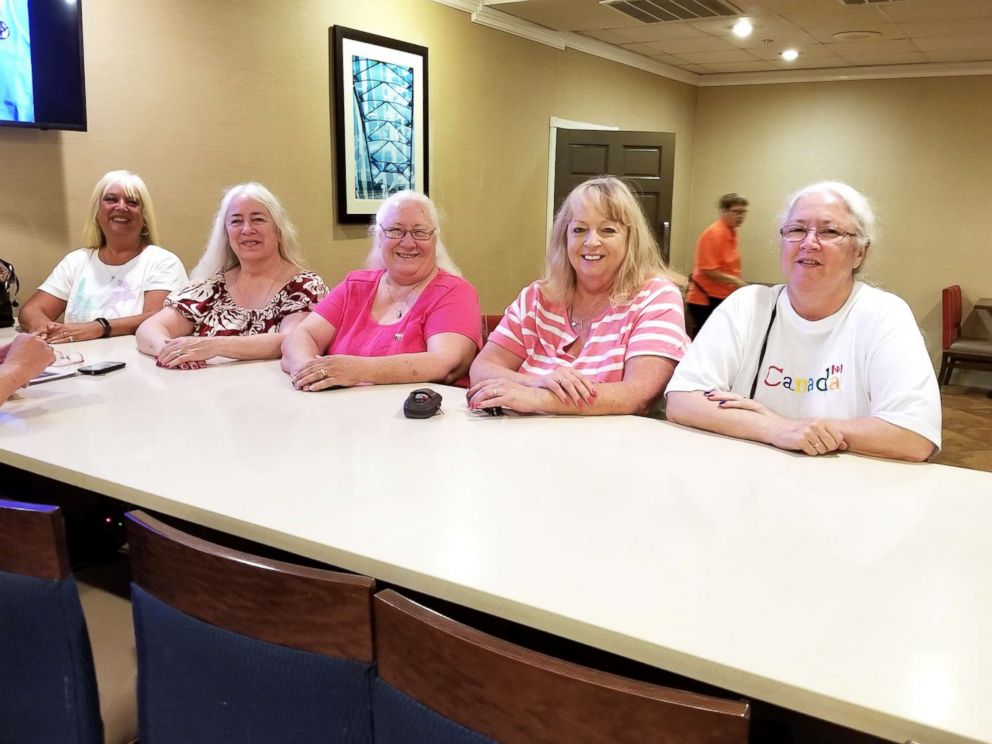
x,y
957,55
871,46
840,19
950,27
657,32
688,46
809,51
905,58
740,67
706,58
938,10
975,43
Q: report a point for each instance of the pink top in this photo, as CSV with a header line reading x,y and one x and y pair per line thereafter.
x,y
448,304
538,331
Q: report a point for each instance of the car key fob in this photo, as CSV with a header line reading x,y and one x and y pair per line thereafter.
x,y
422,403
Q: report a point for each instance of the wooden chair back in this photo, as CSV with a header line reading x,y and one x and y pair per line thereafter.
x,y
512,694
32,540
489,323
48,687
950,315
298,607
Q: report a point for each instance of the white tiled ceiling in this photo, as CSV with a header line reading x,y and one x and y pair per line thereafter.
x,y
914,33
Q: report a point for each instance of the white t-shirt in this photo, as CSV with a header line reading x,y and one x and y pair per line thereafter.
x,y
93,289
867,359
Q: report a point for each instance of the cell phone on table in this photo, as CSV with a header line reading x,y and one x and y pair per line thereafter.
x,y
100,368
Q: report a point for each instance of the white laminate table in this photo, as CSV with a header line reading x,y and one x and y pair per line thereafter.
x,y
851,589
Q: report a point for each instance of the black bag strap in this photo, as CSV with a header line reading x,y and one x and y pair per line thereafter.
x,y
764,344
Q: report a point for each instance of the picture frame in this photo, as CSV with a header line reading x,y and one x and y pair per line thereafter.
x,y
380,129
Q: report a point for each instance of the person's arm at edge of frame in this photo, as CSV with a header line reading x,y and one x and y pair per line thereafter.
x,y
21,360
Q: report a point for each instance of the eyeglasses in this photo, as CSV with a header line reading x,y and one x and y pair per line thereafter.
x,y
398,233
798,233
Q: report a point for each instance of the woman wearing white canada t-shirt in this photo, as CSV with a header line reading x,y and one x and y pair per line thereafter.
x,y
120,278
823,363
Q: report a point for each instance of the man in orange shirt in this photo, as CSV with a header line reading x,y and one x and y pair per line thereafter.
x,y
717,268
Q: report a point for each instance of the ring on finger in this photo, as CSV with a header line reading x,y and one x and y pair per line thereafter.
x,y
323,373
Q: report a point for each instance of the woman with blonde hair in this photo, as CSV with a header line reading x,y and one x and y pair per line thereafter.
x,y
603,330
118,280
248,289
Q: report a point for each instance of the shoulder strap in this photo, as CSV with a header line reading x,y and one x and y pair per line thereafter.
x,y
764,344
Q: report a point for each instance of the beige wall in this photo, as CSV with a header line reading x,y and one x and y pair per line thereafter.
x,y
918,148
196,96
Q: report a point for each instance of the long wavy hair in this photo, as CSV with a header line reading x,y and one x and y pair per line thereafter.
x,y
134,188
375,261
220,256
643,261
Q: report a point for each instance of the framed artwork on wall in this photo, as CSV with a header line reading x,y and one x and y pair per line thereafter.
x,y
380,107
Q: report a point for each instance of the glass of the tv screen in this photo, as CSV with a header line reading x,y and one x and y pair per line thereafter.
x,y
41,64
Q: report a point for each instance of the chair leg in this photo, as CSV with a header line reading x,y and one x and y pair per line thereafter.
x,y
943,375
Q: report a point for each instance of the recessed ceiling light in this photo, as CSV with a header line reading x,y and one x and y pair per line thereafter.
x,y
856,35
790,54
743,28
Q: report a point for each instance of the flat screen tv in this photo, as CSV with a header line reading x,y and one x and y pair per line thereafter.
x,y
41,64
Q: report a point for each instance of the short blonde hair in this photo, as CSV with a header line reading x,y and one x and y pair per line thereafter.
x,y
134,188
220,256
643,261
441,258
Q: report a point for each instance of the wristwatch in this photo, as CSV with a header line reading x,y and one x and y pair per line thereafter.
x,y
105,324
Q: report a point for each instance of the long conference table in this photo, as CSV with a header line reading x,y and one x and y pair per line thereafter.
x,y
851,589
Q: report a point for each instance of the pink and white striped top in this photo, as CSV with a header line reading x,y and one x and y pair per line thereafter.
x,y
538,331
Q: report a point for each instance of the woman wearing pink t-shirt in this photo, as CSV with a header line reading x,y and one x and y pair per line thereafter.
x,y
409,317
601,333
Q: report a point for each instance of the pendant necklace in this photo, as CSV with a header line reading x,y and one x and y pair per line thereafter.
x,y
401,309
114,281
578,325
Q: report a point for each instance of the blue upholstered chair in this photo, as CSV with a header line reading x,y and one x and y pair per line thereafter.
x,y
237,648
441,682
48,686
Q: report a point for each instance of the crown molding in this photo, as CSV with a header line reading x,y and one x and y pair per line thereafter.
x,y
484,15
835,74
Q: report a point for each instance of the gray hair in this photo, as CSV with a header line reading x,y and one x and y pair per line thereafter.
x,y
219,256
857,205
441,258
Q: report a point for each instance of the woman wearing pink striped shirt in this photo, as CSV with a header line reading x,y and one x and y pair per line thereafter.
x,y
601,333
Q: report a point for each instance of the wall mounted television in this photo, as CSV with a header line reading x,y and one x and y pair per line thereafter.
x,y
41,64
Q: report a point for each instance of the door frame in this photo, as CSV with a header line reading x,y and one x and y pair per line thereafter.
x,y
557,123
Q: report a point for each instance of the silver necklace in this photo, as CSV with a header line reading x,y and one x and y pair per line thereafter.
x,y
401,309
113,274
579,325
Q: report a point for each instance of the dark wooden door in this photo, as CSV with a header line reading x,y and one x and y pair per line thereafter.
x,y
645,160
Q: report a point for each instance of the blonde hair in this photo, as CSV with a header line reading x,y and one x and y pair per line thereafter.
x,y
134,188
441,258
218,254
643,261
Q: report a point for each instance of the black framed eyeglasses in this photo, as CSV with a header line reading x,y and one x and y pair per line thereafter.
x,y
798,233
418,233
